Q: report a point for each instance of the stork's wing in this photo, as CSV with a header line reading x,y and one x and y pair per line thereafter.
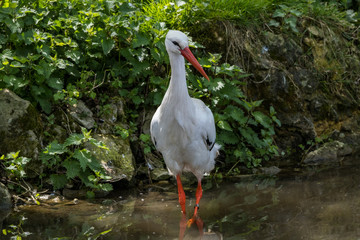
x,y
206,122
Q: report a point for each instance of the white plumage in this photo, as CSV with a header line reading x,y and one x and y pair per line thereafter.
x,y
183,128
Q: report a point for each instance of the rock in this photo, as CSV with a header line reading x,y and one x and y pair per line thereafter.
x,y
285,50
300,122
273,170
316,31
159,174
20,126
110,115
350,125
331,152
147,121
57,133
82,114
118,161
305,79
5,198
74,194
5,203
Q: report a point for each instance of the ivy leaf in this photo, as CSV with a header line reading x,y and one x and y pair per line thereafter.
x,y
107,45
274,23
72,168
279,13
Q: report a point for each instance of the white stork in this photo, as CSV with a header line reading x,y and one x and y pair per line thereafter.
x,y
183,128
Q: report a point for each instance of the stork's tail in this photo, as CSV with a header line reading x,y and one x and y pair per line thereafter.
x,y
215,151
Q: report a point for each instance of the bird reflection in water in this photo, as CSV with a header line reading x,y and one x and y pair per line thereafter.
x,y
188,226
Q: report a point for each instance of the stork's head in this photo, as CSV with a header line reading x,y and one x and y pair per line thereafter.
x,y
176,42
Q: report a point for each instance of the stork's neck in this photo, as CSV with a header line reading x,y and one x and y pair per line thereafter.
x,y
177,90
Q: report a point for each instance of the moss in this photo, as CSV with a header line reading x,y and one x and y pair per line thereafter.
x,y
118,161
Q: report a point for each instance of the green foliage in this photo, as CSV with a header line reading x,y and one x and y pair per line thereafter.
x,y
56,52
286,17
15,231
146,142
69,161
14,165
244,11
62,51
245,130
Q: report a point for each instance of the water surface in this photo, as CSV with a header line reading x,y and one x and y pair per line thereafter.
x,y
318,204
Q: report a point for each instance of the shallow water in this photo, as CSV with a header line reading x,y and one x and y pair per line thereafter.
x,y
313,205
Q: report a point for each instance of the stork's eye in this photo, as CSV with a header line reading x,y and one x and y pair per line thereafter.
x,y
175,43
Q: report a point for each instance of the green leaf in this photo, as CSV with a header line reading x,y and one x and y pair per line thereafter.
x,y
227,137
45,69
58,180
73,55
145,137
140,40
86,160
262,119
16,64
14,82
274,23
72,168
7,54
55,148
13,25
224,125
236,113
107,45
279,13
55,83
45,104
74,139
106,187
98,144
90,195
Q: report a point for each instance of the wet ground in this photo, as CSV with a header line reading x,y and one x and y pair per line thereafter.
x,y
318,204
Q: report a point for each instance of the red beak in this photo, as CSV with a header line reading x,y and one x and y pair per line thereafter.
x,y
190,57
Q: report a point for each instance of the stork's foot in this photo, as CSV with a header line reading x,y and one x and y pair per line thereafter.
x,y
200,224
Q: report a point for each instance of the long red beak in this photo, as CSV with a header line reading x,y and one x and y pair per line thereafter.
x,y
190,57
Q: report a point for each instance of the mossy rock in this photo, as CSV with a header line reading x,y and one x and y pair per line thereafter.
x,y
118,160
20,126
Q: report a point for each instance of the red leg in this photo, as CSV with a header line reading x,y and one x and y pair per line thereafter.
x,y
195,217
181,193
198,197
